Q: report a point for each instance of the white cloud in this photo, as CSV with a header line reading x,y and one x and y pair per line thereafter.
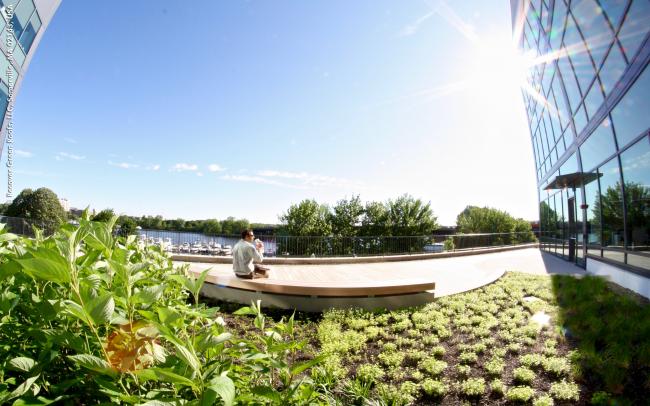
x,y
182,167
66,155
23,154
199,174
311,180
70,140
258,179
153,167
215,168
123,165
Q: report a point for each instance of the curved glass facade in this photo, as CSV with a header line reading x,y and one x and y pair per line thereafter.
x,y
22,23
588,109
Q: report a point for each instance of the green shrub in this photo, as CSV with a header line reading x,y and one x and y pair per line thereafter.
x,y
543,401
523,375
520,394
494,366
432,366
565,391
389,347
430,340
449,244
434,388
463,370
601,399
556,366
370,373
531,360
468,357
392,395
410,389
416,355
438,351
391,358
497,387
473,387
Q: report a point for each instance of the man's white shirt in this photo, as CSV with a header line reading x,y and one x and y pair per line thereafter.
x,y
244,254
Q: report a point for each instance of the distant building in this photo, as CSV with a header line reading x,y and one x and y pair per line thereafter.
x,y
65,204
588,106
29,19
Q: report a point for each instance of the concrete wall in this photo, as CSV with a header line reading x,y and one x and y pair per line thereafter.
x,y
626,279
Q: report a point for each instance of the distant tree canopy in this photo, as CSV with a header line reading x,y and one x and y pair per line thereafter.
x,y
104,215
488,220
41,206
609,208
404,216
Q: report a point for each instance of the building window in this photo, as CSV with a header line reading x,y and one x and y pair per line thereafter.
x,y
608,210
599,146
612,69
635,27
630,116
635,162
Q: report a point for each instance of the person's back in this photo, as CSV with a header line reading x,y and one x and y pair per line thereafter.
x,y
244,254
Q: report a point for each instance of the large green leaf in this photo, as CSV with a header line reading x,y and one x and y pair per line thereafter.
x,y
149,294
23,387
46,269
93,363
8,237
188,357
298,368
171,377
225,387
76,310
23,364
267,392
101,308
9,268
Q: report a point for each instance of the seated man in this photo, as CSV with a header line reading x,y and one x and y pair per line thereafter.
x,y
245,253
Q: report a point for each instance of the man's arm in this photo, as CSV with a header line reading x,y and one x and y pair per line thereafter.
x,y
257,255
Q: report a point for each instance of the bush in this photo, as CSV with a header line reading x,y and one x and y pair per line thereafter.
x,y
102,320
433,366
543,401
523,375
473,387
600,399
520,394
494,366
434,388
467,357
565,391
497,387
556,366
370,373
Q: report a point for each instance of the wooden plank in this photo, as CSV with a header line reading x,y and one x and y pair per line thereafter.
x,y
316,287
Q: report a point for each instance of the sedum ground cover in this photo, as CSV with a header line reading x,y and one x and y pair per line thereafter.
x,y
88,318
484,347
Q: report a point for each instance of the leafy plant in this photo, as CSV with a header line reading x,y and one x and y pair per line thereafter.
x,y
523,375
370,373
543,401
433,366
473,387
434,388
520,394
565,391
497,387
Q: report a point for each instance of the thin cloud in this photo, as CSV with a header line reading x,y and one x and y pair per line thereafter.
x,y
153,167
258,179
66,155
123,165
70,140
311,180
182,167
413,28
23,154
215,168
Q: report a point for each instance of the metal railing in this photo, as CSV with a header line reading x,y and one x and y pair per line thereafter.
x,y
317,246
308,246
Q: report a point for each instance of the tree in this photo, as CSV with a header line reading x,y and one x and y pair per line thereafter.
x,y
410,216
232,226
211,226
307,218
345,217
41,207
127,225
375,220
489,220
104,215
608,213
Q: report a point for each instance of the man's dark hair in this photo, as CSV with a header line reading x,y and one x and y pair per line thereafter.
x,y
244,233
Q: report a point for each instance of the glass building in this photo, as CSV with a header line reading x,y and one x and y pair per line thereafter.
x,y
587,99
21,26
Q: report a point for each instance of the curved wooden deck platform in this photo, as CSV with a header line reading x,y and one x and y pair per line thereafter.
x,y
317,295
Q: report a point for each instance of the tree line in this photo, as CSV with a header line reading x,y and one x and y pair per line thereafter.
x,y
349,217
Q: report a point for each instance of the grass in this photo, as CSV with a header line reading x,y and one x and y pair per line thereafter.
x,y
482,347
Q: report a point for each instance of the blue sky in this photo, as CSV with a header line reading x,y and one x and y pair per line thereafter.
x,y
244,107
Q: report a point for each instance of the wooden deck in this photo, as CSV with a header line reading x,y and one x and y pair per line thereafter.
x,y
318,284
